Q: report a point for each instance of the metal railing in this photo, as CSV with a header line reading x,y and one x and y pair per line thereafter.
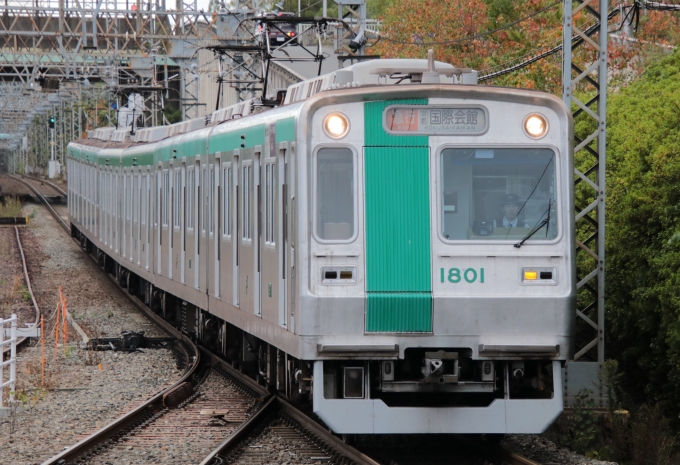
x,y
11,323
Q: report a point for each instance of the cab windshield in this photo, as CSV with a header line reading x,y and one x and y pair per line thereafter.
x,y
498,194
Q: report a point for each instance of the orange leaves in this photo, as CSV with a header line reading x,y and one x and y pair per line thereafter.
x,y
413,26
458,31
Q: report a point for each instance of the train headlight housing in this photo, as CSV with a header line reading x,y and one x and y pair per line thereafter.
x,y
535,126
336,125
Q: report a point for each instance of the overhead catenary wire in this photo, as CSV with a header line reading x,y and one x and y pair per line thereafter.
x,y
575,40
659,6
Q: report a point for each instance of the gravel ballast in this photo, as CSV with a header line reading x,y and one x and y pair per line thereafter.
x,y
546,452
78,396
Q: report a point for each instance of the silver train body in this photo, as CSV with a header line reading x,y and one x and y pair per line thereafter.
x,y
360,263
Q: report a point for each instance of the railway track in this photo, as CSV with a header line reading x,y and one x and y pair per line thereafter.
x,y
47,204
45,182
258,425
36,321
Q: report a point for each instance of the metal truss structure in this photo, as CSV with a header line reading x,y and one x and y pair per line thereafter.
x,y
351,43
64,58
586,71
67,57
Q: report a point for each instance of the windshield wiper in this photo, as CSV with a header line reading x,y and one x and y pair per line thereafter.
x,y
545,222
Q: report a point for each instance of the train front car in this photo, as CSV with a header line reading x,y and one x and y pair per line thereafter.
x,y
439,284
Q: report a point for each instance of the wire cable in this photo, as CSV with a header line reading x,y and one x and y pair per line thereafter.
x,y
575,40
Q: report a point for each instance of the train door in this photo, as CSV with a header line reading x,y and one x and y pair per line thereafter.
x,y
226,250
211,249
197,224
130,215
86,203
166,200
269,259
176,240
289,238
144,218
116,211
158,208
215,227
123,212
236,230
204,211
110,205
183,222
105,207
190,222
139,205
257,235
136,206
101,204
247,257
172,205
97,216
282,213
124,215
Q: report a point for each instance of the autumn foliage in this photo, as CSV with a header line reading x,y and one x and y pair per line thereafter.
x,y
475,33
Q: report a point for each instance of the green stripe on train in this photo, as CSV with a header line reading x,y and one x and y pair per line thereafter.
x,y
398,250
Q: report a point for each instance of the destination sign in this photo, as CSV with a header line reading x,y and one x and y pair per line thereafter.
x,y
439,120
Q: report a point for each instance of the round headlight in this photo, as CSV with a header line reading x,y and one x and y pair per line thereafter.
x,y
536,126
336,125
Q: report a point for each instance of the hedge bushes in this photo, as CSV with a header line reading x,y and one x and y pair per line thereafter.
x,y
643,213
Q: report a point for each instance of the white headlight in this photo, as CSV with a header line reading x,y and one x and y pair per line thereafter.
x,y
536,126
336,125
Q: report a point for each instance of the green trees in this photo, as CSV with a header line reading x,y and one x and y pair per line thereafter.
x,y
643,213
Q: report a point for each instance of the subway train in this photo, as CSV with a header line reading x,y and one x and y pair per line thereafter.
x,y
391,243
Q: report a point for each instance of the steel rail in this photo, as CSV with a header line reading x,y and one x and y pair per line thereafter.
x,y
56,216
23,340
44,181
512,458
277,402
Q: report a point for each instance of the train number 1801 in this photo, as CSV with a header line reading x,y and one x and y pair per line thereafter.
x,y
455,275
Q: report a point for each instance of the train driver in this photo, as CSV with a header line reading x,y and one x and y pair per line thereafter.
x,y
510,206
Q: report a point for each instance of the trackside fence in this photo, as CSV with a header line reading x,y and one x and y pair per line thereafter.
x,y
11,325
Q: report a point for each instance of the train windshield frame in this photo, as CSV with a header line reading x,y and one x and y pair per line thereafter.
x,y
498,194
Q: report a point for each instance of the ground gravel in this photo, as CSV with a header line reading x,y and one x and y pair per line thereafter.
x,y
546,452
78,396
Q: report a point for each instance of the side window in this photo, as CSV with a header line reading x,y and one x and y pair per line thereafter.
x,y
190,198
226,200
142,198
176,195
128,196
204,195
334,194
135,204
165,196
269,203
246,202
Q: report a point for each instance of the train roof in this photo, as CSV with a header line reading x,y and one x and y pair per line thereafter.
x,y
242,125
